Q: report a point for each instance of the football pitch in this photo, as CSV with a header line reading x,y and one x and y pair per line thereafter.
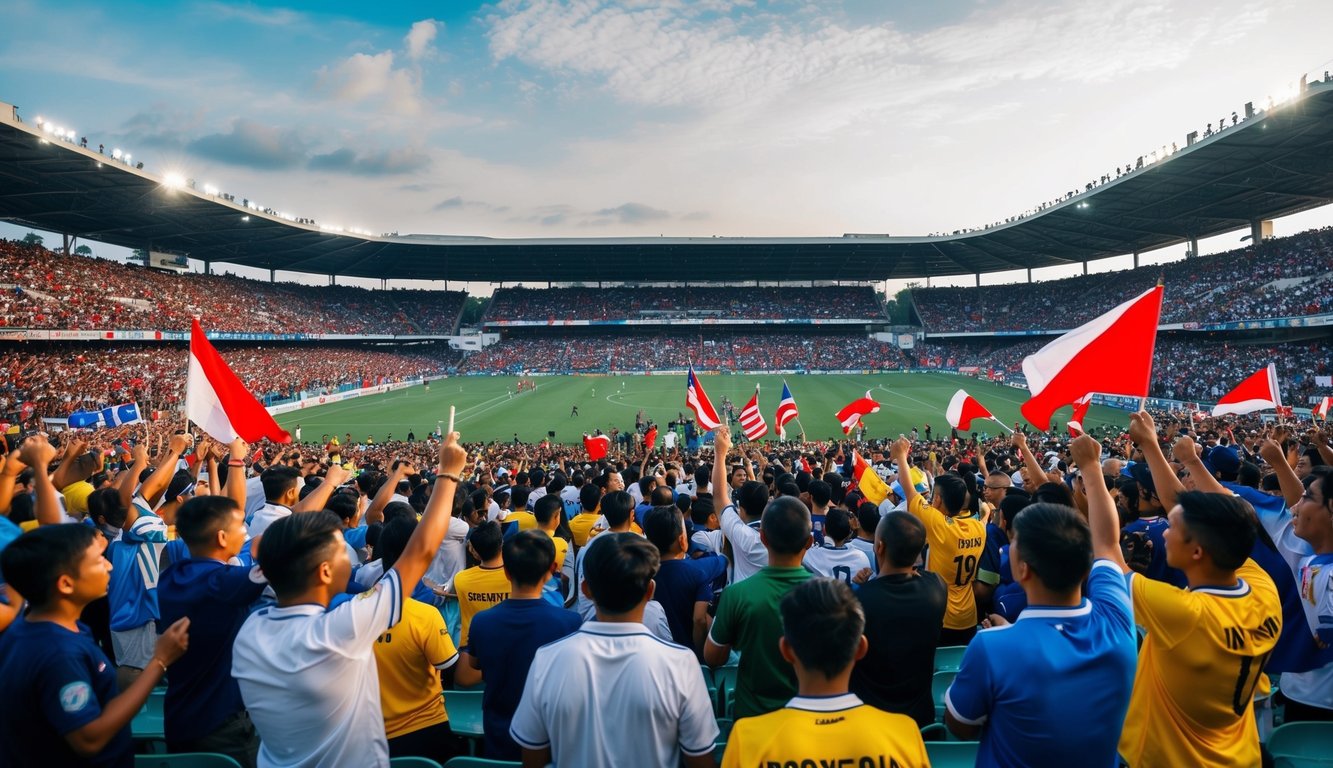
x,y
486,411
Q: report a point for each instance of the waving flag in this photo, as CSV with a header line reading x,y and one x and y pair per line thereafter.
x,y
1080,410
650,439
851,414
786,412
1112,355
963,408
219,403
752,421
596,446
871,485
115,416
1256,393
1321,410
697,400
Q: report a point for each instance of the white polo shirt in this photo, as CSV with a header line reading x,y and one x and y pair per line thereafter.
x,y
266,516
654,615
308,679
751,555
646,698
452,554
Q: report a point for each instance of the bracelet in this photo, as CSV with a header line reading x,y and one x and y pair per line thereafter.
x,y
450,476
235,463
161,664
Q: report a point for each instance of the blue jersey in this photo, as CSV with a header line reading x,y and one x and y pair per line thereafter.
x,y
134,558
1084,658
1158,570
54,681
201,692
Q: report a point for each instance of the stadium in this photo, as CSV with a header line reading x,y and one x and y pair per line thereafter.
x,y
575,338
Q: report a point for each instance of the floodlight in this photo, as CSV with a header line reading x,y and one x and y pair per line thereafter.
x,y
115,153
173,181
209,189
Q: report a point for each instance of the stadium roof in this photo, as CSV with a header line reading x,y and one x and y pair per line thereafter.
x,y
1276,164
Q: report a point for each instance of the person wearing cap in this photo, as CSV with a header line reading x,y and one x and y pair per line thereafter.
x,y
956,541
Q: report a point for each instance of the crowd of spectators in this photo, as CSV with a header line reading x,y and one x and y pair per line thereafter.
x,y
631,303
1237,285
56,381
48,290
653,351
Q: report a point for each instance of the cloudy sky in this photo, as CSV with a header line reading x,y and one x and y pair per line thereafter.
x,y
646,117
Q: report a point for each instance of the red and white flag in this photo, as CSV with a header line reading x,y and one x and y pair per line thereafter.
x,y
752,421
219,403
859,466
697,400
1258,392
650,439
596,446
1112,355
1321,410
963,408
786,411
1081,406
852,413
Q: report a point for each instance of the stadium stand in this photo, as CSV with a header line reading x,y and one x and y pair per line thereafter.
x,y
656,304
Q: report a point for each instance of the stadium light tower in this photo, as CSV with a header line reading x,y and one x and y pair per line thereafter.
x,y
173,181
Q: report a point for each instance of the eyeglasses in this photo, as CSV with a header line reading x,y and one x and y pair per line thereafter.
x,y
990,487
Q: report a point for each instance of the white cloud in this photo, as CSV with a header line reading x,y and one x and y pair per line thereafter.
x,y
374,76
420,37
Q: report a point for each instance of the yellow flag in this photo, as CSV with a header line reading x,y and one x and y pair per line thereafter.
x,y
873,487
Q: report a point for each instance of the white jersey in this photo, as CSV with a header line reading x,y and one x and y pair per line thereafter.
x,y
748,551
841,563
1314,577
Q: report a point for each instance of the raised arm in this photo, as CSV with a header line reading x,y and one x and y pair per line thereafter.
x,y
71,468
1143,431
38,454
1186,453
1102,518
157,483
130,477
10,469
721,488
1035,469
316,499
901,453
375,514
429,534
1292,488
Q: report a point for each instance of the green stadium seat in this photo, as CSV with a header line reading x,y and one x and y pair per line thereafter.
x,y
724,728
952,754
724,678
939,684
464,708
464,762
1302,745
719,749
949,658
147,725
185,760
414,762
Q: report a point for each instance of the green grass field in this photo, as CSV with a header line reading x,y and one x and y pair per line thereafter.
x,y
485,411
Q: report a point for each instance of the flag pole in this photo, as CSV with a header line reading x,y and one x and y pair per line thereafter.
x,y
1147,385
1003,426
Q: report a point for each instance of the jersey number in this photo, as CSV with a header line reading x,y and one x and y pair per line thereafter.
x,y
844,573
967,568
1245,684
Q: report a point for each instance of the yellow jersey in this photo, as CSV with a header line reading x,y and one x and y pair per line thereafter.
x,y
408,658
478,588
835,730
525,519
955,550
561,549
1193,700
580,526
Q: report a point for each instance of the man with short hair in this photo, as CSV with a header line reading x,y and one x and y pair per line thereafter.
x,y
307,673
824,724
561,719
1079,642
581,525
484,585
904,610
63,704
834,558
820,494
747,614
547,513
956,540
684,585
506,638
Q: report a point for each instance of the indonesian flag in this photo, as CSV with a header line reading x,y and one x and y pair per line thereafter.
x,y
219,403
1321,410
596,446
851,414
963,408
650,439
697,400
1112,355
752,421
1256,393
1080,410
786,411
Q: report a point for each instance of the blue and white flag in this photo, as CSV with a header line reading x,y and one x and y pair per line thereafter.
x,y
115,416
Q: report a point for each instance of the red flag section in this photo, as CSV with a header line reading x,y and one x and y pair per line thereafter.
x,y
697,400
963,408
219,403
650,439
596,446
851,414
1257,393
1112,355
1081,406
1321,410
752,421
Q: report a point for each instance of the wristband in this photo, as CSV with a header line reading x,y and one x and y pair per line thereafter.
x,y
450,476
161,664
235,463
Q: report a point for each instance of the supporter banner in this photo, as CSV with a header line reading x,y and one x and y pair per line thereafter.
x,y
1323,381
334,397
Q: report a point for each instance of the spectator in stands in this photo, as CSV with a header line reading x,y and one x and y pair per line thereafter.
x,y
562,720
505,639
822,637
747,614
1080,643
684,585
904,611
